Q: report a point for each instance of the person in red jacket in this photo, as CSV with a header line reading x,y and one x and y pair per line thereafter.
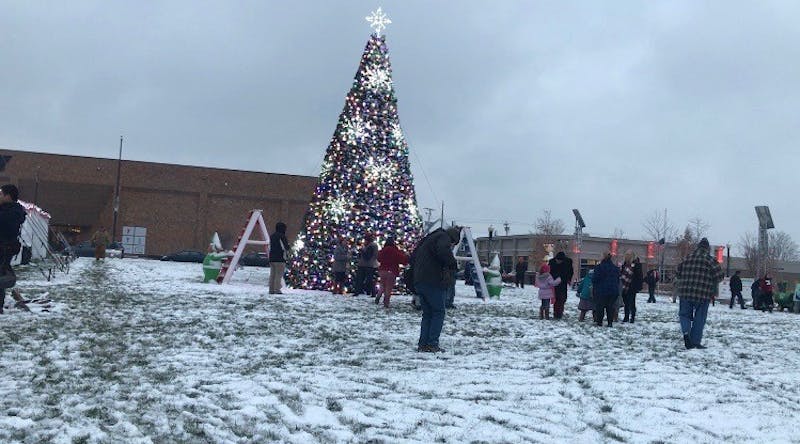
x,y
390,258
766,293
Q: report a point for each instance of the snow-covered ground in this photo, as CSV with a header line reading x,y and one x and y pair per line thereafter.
x,y
141,351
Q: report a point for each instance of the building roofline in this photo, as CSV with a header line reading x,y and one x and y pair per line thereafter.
x,y
9,150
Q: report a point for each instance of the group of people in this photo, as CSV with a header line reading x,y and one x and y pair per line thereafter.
x,y
372,261
608,286
603,291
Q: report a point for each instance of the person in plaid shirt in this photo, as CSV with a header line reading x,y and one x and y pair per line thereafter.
x,y
698,284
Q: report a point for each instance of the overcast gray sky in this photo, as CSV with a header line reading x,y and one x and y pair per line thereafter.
x,y
618,108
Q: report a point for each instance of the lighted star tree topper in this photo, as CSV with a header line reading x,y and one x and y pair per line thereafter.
x,y
365,185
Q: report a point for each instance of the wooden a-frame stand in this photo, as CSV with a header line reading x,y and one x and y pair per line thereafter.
x,y
255,219
466,233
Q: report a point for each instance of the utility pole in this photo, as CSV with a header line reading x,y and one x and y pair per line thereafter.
x,y
116,193
36,188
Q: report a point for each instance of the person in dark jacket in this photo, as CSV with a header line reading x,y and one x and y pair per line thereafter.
x,y
736,290
755,290
434,266
561,267
367,267
698,277
341,259
605,286
519,272
278,249
632,283
12,216
651,280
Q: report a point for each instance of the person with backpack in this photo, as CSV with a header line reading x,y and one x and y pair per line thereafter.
x,y
390,258
12,216
546,285
367,266
585,295
434,268
278,249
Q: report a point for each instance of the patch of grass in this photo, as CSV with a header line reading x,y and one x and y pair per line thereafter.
x,y
333,405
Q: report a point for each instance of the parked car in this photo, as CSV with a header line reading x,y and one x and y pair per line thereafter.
x,y
185,256
85,249
255,260
115,250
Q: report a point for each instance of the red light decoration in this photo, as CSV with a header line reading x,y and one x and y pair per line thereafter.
x,y
651,250
614,246
720,254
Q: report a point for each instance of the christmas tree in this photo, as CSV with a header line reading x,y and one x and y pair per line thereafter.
x,y
365,185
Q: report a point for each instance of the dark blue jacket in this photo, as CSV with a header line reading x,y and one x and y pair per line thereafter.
x,y
605,281
12,216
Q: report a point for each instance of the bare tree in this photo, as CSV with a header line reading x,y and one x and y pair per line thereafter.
x,y
781,248
545,239
748,248
685,244
619,233
698,228
548,226
659,226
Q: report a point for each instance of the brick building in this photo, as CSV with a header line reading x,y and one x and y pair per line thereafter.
x,y
179,206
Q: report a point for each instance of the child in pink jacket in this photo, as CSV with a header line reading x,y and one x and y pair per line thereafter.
x,y
545,283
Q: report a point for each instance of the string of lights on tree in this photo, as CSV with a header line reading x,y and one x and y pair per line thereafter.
x,y
365,184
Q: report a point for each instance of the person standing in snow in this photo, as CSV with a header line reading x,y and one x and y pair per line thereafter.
x,y
519,272
698,276
561,267
367,265
12,216
651,279
341,258
755,289
765,293
278,249
434,266
605,286
585,295
390,258
100,241
546,285
631,280
736,290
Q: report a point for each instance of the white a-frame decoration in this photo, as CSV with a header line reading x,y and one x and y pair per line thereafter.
x,y
466,234
255,221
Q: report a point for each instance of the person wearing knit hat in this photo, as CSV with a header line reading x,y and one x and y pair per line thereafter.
x,y
434,273
698,283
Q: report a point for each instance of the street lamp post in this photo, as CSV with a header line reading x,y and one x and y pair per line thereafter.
x,y
728,262
116,192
